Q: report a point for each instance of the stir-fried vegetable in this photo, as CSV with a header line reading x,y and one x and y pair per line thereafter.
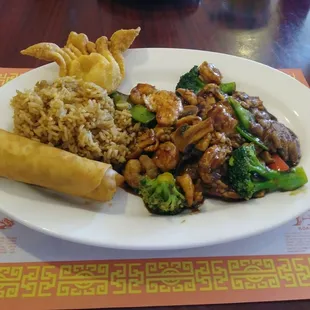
x,y
138,112
191,80
141,114
206,148
120,100
278,164
228,88
245,118
250,138
161,195
247,175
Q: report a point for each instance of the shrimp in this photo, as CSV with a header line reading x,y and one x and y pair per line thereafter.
x,y
147,141
132,173
163,134
139,92
188,96
210,73
166,157
167,106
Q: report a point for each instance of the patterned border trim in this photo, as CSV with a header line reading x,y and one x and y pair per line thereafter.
x,y
8,74
156,281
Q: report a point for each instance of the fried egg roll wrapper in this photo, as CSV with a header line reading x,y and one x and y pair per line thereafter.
x,y
31,162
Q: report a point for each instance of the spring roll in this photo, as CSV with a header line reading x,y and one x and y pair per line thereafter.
x,y
31,162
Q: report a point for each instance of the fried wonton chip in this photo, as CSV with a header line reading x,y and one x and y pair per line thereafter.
x,y
101,62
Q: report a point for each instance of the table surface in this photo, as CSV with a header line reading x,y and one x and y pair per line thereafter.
x,y
274,32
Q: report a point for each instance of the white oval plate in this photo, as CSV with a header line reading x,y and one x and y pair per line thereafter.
x,y
124,222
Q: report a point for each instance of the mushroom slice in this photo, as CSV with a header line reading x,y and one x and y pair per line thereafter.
x,y
186,135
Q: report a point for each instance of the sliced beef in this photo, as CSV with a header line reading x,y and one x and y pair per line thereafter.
x,y
274,134
279,139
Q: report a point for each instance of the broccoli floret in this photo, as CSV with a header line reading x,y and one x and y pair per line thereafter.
x,y
161,195
191,80
247,175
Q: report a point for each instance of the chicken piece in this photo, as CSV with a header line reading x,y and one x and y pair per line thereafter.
x,y
147,138
208,97
209,73
188,96
187,185
167,106
163,134
229,109
147,141
236,140
149,166
153,147
210,90
138,93
204,143
222,120
212,159
132,173
222,190
219,138
166,157
101,63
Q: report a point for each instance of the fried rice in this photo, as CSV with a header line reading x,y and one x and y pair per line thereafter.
x,y
75,116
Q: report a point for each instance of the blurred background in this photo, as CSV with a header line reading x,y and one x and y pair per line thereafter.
x,y
275,32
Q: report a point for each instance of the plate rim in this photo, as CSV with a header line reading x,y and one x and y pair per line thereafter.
x,y
137,247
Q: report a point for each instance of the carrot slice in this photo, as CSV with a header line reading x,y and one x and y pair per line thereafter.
x,y
279,164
